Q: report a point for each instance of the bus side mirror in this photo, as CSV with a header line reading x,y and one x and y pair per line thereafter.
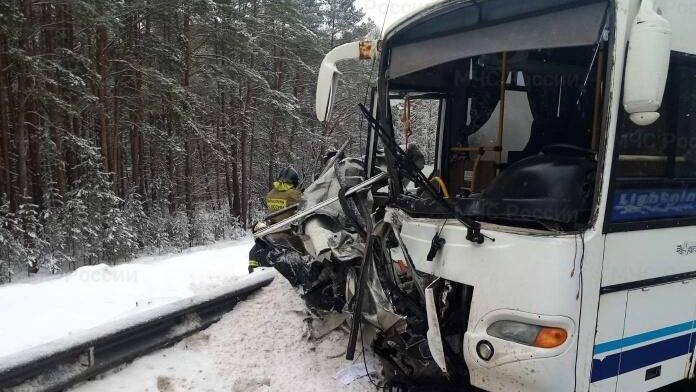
x,y
647,65
328,73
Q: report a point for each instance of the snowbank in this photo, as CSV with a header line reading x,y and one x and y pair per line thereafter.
x,y
37,313
261,346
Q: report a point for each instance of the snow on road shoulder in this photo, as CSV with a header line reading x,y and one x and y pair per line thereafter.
x,y
37,313
260,346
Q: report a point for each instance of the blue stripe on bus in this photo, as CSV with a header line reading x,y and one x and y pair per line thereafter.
x,y
641,357
644,337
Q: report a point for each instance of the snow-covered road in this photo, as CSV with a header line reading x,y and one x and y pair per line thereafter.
x,y
37,312
262,345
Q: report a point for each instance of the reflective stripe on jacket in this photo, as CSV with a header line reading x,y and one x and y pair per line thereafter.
x,y
281,197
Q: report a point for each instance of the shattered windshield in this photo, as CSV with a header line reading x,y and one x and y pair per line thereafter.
x,y
513,137
517,130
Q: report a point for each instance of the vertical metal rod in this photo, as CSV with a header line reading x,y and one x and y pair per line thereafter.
x,y
596,120
359,295
362,280
501,120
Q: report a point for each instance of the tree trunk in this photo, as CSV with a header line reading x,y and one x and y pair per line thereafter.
x,y
115,135
249,101
235,197
35,155
237,203
230,191
69,121
188,189
23,85
206,174
218,136
6,175
54,118
102,123
136,137
246,168
171,168
252,151
188,169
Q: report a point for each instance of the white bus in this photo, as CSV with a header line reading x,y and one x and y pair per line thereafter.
x,y
565,145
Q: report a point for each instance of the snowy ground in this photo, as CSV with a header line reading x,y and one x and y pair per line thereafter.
x,y
37,312
261,346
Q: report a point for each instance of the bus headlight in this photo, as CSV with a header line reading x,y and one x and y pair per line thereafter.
x,y
527,334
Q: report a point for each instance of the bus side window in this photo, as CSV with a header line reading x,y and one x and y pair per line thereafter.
x,y
654,176
685,113
643,151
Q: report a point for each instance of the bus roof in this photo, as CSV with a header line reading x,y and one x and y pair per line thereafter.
x,y
416,14
511,8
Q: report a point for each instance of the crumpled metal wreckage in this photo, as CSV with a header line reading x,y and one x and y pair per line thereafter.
x,y
321,256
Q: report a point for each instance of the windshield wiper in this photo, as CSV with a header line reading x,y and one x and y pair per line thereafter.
x,y
414,174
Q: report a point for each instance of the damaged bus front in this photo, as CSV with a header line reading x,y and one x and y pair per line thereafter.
x,y
515,241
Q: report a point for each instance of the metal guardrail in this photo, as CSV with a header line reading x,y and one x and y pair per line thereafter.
x,y
61,364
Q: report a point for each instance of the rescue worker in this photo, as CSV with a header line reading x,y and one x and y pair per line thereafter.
x,y
284,194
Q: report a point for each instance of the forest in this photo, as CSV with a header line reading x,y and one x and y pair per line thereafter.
x,y
141,126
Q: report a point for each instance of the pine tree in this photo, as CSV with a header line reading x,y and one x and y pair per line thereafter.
x,y
140,125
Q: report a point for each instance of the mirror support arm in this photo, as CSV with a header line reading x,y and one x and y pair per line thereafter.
x,y
361,50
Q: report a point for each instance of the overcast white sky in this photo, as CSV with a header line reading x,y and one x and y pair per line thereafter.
x,y
376,9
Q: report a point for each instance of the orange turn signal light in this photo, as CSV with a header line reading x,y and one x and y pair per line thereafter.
x,y
550,337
